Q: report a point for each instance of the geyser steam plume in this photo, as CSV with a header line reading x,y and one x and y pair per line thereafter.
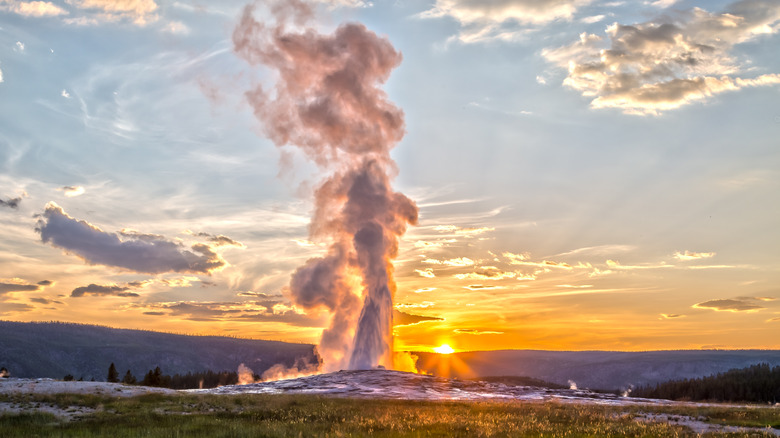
x,y
327,101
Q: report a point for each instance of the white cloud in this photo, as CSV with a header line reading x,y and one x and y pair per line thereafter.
x,y
140,12
598,250
347,3
613,264
488,273
33,9
506,20
19,46
688,255
65,94
176,28
462,231
514,258
458,262
671,61
427,272
593,19
663,4
71,191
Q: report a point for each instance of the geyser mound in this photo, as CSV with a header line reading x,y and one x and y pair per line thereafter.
x,y
390,384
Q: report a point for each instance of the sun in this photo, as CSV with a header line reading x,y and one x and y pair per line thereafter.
x,y
444,349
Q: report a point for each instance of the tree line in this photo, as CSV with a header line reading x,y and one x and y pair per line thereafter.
x,y
155,377
757,383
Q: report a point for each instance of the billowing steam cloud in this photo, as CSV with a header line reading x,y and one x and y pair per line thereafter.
x,y
328,103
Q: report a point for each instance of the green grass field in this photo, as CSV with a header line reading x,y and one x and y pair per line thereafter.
x,y
300,415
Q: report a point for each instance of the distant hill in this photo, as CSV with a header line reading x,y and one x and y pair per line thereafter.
x,y
54,349
608,370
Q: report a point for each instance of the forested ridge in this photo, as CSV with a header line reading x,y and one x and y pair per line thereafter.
x,y
757,383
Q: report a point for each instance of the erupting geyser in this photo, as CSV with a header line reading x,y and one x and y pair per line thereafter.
x,y
327,101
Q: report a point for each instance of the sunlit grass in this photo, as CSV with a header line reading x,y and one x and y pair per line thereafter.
x,y
300,415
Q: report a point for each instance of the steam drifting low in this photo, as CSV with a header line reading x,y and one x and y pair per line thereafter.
x,y
328,103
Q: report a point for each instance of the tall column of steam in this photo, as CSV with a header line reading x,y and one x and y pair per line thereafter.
x,y
328,103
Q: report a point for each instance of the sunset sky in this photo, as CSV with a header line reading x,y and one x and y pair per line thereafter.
x,y
589,174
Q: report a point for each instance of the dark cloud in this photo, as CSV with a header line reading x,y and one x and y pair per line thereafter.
x,y
133,234
288,317
739,304
46,283
138,284
147,253
201,310
8,308
402,318
250,293
11,203
481,287
220,240
233,311
16,287
45,301
103,290
267,304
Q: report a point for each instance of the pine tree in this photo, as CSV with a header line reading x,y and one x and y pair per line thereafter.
x,y
129,378
113,375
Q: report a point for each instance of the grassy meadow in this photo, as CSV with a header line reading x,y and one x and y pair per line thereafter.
x,y
302,415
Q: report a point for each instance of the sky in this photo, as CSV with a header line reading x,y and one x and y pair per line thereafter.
x,y
589,175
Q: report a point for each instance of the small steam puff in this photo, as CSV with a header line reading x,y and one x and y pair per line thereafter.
x,y
328,102
245,375
572,384
301,368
